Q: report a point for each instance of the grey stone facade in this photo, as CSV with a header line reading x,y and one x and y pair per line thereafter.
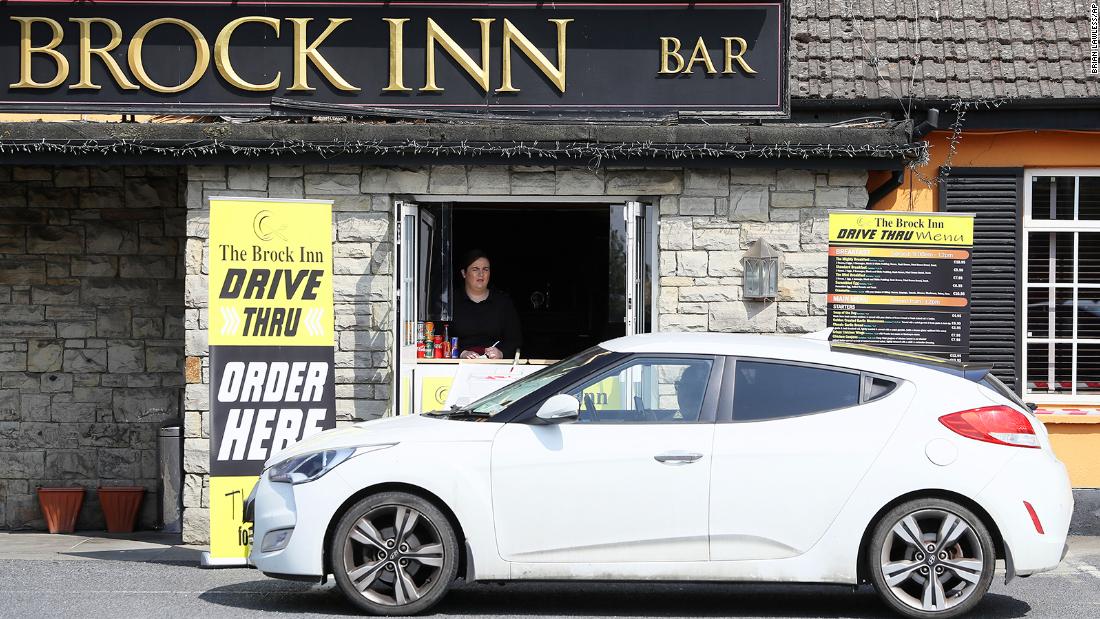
x,y
705,230
103,293
708,217
91,331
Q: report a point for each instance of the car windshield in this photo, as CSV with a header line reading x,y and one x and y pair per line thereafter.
x,y
502,398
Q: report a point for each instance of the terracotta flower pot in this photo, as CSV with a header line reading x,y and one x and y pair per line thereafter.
x,y
120,507
60,507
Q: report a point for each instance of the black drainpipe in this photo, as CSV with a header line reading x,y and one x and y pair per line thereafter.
x,y
885,188
931,122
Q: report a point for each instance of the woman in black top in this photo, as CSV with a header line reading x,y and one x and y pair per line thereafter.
x,y
485,321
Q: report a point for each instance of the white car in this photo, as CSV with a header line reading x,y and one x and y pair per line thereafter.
x,y
683,457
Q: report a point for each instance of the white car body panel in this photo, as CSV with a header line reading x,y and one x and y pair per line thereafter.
x,y
458,476
814,461
523,495
595,493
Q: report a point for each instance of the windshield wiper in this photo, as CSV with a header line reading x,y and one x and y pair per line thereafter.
x,y
457,411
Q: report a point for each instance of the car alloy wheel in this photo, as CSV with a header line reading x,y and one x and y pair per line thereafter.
x,y
931,558
394,554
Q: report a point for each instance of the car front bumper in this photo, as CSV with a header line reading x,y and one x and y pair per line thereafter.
x,y
303,510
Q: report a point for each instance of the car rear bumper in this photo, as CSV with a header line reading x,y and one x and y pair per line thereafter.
x,y
1038,480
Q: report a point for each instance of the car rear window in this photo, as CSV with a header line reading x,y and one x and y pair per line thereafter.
x,y
765,390
875,387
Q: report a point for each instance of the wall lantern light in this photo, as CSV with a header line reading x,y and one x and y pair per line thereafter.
x,y
761,271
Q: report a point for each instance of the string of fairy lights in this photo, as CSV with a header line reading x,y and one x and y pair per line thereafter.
x,y
960,108
904,94
592,152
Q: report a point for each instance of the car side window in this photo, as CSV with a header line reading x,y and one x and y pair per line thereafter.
x,y
646,390
765,390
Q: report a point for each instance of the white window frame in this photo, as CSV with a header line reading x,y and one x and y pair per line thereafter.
x,y
1049,225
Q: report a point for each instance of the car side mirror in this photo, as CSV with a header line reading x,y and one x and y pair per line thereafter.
x,y
1032,406
559,408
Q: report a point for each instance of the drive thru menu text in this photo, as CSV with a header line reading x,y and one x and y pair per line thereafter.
x,y
901,280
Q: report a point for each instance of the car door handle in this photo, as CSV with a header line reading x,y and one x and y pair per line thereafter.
x,y
677,457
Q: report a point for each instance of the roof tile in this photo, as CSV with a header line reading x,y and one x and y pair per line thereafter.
x,y
962,48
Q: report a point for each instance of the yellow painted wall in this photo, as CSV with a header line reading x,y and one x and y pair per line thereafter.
x,y
1076,440
989,149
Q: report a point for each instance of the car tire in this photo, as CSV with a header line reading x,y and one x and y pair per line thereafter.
x,y
394,554
946,575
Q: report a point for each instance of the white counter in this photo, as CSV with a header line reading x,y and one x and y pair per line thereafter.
x,y
426,384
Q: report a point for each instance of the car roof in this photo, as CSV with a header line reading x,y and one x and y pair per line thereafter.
x,y
790,348
748,345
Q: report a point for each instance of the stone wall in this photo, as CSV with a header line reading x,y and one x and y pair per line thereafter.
x,y
705,231
708,218
91,332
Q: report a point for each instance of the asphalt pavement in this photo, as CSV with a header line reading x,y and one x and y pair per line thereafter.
x,y
90,577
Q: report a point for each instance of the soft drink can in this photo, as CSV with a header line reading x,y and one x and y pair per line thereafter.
x,y
420,349
419,330
437,346
429,349
429,330
454,348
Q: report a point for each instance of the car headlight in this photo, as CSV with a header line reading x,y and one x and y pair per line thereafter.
x,y
311,466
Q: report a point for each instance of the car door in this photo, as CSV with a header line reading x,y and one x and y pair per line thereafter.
x,y
626,482
792,443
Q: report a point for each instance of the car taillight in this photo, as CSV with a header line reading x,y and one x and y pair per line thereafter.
x,y
1002,425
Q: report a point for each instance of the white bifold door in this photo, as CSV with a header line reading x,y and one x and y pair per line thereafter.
x,y
632,259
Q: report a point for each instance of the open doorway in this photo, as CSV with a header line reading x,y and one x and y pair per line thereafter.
x,y
554,263
577,274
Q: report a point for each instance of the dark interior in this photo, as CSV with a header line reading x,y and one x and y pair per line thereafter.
x,y
554,262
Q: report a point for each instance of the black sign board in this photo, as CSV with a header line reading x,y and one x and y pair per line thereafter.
x,y
901,280
552,57
260,407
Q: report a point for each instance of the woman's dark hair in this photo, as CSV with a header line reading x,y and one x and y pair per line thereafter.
x,y
470,257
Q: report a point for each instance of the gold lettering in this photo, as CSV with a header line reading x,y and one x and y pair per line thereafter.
x,y
202,55
479,73
104,53
513,35
730,56
397,54
700,54
304,52
225,65
673,52
26,79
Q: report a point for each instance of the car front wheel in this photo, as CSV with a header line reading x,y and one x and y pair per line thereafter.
x,y
931,558
394,554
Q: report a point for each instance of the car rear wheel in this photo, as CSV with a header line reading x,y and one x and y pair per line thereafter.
x,y
931,558
394,554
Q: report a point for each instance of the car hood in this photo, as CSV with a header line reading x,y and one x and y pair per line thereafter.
x,y
406,428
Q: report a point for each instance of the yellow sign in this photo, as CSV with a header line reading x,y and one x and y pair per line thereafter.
x,y
230,536
887,227
270,273
272,375
608,394
433,392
